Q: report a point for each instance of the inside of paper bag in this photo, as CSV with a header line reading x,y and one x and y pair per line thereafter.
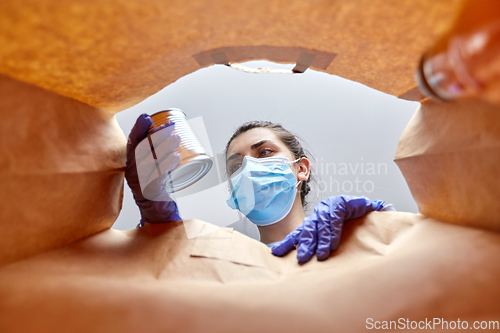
x,y
67,67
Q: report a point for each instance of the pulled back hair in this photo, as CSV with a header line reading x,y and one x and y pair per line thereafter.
x,y
290,140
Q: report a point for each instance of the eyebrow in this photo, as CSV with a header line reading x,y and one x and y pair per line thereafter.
x,y
254,146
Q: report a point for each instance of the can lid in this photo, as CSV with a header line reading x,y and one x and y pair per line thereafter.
x,y
162,117
189,173
168,110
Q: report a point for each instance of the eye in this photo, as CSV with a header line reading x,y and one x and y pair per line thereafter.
x,y
265,152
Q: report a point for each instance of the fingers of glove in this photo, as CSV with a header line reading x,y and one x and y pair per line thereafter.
x,y
144,154
155,188
169,164
357,207
336,231
307,241
160,134
138,132
167,147
324,233
288,243
153,173
149,171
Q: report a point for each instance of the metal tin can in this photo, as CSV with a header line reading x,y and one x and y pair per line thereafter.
x,y
194,161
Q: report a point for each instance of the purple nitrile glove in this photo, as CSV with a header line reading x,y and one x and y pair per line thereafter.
x,y
147,179
320,232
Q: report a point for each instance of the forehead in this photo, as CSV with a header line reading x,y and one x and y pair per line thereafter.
x,y
243,142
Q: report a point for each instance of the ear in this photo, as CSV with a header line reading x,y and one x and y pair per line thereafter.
x,y
304,169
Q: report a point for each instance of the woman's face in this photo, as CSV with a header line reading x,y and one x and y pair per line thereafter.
x,y
259,143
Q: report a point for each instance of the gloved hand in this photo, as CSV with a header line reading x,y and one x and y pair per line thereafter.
x,y
140,158
320,232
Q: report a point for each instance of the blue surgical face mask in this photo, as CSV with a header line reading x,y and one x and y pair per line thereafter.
x,y
263,189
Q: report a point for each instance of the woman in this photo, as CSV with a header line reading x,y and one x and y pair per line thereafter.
x,y
285,175
269,180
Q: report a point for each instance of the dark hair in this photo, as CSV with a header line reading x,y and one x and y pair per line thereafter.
x,y
290,140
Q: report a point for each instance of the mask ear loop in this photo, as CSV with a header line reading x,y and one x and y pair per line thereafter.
x,y
300,181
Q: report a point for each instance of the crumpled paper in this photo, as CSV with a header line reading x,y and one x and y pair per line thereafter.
x,y
389,265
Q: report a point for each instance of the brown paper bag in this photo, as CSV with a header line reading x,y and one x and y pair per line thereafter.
x,y
390,266
116,53
449,155
61,170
